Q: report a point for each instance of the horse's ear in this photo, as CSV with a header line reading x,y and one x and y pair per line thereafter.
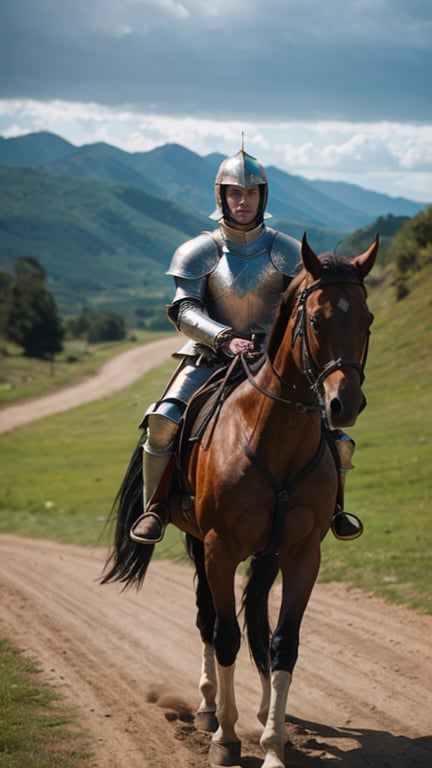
x,y
366,260
310,260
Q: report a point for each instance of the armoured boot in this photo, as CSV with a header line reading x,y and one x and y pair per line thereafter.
x,y
345,526
149,528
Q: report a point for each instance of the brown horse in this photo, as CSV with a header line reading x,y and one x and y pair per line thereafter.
x,y
264,481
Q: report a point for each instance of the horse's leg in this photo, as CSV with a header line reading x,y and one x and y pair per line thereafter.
x,y
274,737
299,573
225,747
261,575
205,718
265,698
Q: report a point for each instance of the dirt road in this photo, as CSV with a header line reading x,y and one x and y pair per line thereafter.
x,y
113,376
361,695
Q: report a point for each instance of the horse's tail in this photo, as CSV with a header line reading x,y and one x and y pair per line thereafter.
x,y
128,561
261,574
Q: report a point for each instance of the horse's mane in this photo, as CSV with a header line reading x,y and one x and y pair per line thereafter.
x,y
283,313
333,269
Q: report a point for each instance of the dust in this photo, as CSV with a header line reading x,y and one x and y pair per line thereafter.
x,y
176,707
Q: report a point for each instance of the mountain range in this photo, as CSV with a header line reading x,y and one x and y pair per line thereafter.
x,y
104,222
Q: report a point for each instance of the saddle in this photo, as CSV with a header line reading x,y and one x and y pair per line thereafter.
x,y
205,404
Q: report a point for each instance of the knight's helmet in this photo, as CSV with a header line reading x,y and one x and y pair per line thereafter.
x,y
242,170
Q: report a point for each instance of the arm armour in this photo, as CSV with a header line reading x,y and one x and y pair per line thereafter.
x,y
191,319
191,264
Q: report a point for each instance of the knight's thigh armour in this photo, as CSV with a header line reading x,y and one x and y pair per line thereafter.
x,y
162,419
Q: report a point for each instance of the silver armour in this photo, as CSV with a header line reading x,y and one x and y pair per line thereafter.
x,y
238,285
222,286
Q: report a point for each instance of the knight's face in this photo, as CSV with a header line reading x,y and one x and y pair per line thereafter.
x,y
243,203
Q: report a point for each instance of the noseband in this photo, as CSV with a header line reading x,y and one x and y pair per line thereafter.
x,y
313,373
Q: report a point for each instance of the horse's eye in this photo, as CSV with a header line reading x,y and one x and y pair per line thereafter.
x,y
314,321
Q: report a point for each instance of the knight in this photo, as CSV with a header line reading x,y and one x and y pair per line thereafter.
x,y
228,286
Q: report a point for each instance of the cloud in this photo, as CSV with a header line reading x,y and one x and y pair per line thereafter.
x,y
337,89
343,59
395,158
354,147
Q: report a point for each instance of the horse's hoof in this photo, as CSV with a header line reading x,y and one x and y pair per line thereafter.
x,y
206,721
273,761
225,754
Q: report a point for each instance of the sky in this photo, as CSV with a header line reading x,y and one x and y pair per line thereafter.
x,y
326,89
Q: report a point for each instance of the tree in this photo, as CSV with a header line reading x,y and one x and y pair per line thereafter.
x,y
28,266
413,245
78,327
412,250
106,326
5,288
32,320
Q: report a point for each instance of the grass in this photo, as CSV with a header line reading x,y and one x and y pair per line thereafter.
x,y
60,475
391,488
37,729
21,377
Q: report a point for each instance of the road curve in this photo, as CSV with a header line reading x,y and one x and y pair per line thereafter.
x,y
113,376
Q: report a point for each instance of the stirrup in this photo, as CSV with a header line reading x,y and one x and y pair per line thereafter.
x,y
345,526
148,539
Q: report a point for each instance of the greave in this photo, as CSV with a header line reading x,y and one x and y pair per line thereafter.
x,y
154,466
345,448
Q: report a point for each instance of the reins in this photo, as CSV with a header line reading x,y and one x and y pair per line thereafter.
x,y
299,406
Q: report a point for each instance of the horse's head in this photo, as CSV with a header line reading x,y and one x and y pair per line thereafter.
x,y
332,329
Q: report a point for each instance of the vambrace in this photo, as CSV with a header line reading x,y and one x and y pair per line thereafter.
x,y
191,320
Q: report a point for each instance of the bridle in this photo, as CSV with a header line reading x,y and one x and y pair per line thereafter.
x,y
313,373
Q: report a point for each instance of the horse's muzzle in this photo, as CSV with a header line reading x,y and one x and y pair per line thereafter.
x,y
343,412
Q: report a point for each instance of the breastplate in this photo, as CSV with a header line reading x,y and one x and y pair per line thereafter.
x,y
244,290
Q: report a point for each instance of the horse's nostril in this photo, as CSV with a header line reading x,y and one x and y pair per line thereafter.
x,y
336,406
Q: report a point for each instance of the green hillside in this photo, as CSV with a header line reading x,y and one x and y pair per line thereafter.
x,y
387,227
99,242
104,222
107,244
391,488
103,243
